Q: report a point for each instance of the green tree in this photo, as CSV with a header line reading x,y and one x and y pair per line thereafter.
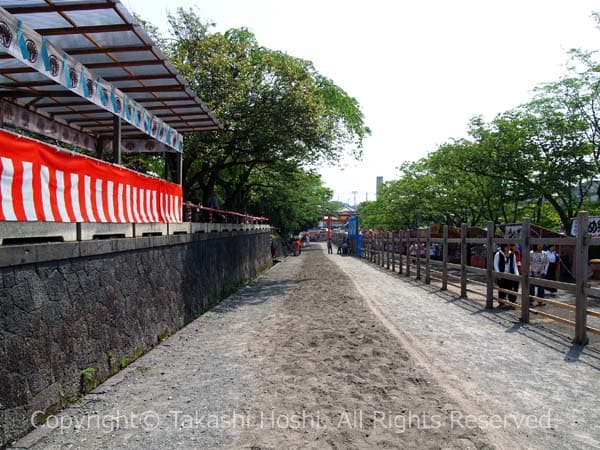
x,y
463,196
293,198
274,108
543,149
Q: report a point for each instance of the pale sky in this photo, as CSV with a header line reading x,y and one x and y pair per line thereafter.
x,y
420,69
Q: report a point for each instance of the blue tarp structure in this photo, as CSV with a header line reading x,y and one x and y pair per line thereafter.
x,y
353,234
352,227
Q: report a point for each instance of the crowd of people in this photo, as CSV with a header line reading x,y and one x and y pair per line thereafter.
x,y
543,264
295,244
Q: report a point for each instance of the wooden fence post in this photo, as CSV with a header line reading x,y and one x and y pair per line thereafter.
x,y
489,298
581,255
401,243
373,250
393,252
445,259
374,255
371,247
427,256
389,242
381,249
408,244
362,247
463,260
525,268
418,253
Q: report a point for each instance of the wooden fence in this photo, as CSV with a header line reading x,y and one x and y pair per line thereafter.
x,y
391,250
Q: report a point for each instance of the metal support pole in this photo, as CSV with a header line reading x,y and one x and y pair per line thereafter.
x,y
489,298
165,155
116,143
581,255
179,169
525,266
99,149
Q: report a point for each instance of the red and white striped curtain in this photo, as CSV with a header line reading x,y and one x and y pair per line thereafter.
x,y
39,182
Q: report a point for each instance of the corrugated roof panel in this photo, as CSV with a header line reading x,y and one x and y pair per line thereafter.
x,y
111,72
165,82
97,115
9,3
61,109
76,2
70,41
151,69
140,55
111,39
108,30
10,63
90,18
41,21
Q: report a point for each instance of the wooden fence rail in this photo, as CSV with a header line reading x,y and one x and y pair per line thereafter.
x,y
405,251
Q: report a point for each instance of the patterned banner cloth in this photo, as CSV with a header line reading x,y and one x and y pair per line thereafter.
x,y
39,182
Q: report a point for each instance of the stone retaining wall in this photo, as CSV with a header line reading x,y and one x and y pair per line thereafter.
x,y
68,324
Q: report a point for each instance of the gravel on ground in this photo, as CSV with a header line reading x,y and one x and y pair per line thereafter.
x,y
327,351
528,382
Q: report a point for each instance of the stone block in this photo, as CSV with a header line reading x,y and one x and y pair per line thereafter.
x,y
105,230
52,231
150,229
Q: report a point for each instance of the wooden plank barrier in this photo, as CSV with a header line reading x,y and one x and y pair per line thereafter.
x,y
385,250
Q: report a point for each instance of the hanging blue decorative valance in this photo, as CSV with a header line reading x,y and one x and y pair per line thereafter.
x,y
34,50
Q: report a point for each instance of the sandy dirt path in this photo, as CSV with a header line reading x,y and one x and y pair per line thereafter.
x,y
298,359
544,390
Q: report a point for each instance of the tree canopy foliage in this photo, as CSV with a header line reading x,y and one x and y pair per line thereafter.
x,y
540,159
281,118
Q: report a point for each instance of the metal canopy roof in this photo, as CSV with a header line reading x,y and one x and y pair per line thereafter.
x,y
102,36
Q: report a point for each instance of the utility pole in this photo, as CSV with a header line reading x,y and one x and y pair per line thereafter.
x,y
355,192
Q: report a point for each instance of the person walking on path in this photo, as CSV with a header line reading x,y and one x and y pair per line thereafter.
x,y
539,268
297,247
505,261
329,247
